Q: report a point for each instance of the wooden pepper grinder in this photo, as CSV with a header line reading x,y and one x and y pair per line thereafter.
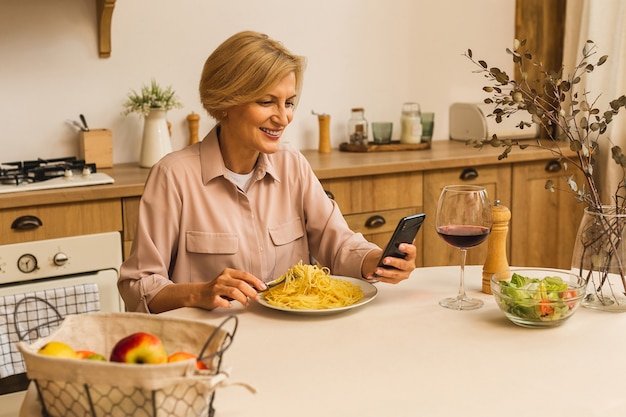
x,y
324,133
193,121
496,260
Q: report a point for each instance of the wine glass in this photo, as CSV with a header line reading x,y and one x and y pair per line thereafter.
x,y
463,220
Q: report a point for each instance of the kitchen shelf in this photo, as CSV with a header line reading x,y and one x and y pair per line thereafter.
x,y
105,14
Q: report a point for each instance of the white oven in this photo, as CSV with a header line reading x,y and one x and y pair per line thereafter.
x,y
40,283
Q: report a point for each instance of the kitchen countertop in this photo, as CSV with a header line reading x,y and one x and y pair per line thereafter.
x,y
442,154
403,355
130,178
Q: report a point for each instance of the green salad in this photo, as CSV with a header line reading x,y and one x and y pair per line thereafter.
x,y
544,299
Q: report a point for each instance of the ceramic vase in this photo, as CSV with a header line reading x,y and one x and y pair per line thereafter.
x,y
600,258
156,141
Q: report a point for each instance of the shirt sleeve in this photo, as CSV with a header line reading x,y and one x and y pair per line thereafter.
x,y
331,240
145,272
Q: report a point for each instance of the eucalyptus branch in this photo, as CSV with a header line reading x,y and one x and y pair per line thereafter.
x,y
566,115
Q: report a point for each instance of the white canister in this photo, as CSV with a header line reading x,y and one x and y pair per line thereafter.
x,y
411,123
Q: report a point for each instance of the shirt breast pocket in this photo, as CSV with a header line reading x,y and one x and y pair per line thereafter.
x,y
212,243
290,246
287,233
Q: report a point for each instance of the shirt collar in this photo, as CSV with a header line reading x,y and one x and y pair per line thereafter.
x,y
212,163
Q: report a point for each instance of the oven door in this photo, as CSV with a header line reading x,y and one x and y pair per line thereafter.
x,y
45,301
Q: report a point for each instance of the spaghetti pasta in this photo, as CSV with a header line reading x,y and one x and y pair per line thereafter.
x,y
309,287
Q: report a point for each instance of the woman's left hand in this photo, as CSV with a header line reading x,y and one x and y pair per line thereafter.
x,y
401,270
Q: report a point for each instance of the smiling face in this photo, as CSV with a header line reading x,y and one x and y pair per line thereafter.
x,y
251,128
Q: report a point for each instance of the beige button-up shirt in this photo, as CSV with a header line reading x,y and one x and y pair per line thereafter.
x,y
194,222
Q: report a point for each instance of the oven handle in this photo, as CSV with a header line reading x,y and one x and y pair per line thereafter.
x,y
26,223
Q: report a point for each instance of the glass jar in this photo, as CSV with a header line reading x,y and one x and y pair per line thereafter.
x,y
411,123
357,127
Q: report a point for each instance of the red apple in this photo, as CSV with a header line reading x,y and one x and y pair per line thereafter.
x,y
139,348
181,356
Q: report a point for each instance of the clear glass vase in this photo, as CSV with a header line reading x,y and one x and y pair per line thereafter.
x,y
600,258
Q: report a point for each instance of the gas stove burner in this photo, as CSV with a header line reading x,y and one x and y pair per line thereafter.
x,y
47,174
38,170
12,173
13,179
48,171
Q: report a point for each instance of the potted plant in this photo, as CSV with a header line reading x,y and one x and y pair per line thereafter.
x,y
153,102
569,116
150,97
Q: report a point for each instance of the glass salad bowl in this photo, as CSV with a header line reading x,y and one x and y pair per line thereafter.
x,y
536,297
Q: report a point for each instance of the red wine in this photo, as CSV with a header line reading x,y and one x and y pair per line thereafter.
x,y
462,236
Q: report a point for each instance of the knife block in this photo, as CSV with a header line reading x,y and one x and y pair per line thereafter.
x,y
96,146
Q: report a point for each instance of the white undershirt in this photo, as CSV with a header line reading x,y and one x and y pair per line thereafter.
x,y
241,180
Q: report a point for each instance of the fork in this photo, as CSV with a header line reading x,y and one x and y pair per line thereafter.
x,y
268,285
271,284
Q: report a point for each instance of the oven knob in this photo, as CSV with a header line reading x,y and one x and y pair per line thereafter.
x,y
60,259
27,263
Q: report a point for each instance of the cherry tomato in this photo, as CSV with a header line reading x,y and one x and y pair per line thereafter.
x,y
545,308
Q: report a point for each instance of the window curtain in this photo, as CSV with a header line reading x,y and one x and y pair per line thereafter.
x,y
603,22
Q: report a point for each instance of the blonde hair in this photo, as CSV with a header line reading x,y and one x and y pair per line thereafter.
x,y
243,68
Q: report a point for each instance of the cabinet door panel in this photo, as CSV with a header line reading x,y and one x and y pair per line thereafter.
x,y
496,179
376,192
543,223
130,206
389,196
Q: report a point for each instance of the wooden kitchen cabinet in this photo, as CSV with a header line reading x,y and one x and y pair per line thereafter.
x,y
60,220
130,210
373,204
76,211
495,178
543,223
373,190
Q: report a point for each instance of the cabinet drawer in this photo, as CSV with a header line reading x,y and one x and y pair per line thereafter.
x,y
378,222
377,192
380,235
61,220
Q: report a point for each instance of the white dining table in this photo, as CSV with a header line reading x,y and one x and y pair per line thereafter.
x,y
403,355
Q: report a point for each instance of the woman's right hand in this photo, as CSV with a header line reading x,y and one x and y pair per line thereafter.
x,y
230,285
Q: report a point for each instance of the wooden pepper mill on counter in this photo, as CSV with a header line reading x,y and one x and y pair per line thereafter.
x,y
192,123
324,134
496,260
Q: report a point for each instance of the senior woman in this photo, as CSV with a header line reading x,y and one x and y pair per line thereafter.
x,y
221,217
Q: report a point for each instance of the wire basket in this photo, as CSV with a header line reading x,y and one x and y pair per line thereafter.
x,y
72,387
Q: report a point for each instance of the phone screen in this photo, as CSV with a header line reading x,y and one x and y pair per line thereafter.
x,y
405,233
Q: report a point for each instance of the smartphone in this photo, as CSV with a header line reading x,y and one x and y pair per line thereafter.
x,y
405,233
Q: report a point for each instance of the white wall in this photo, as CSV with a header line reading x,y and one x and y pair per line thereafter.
x,y
374,54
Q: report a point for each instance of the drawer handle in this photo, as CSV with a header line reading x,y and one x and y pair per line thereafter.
x,y
330,195
375,221
469,174
26,223
553,166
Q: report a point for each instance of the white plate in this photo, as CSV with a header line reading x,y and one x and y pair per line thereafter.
x,y
369,293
